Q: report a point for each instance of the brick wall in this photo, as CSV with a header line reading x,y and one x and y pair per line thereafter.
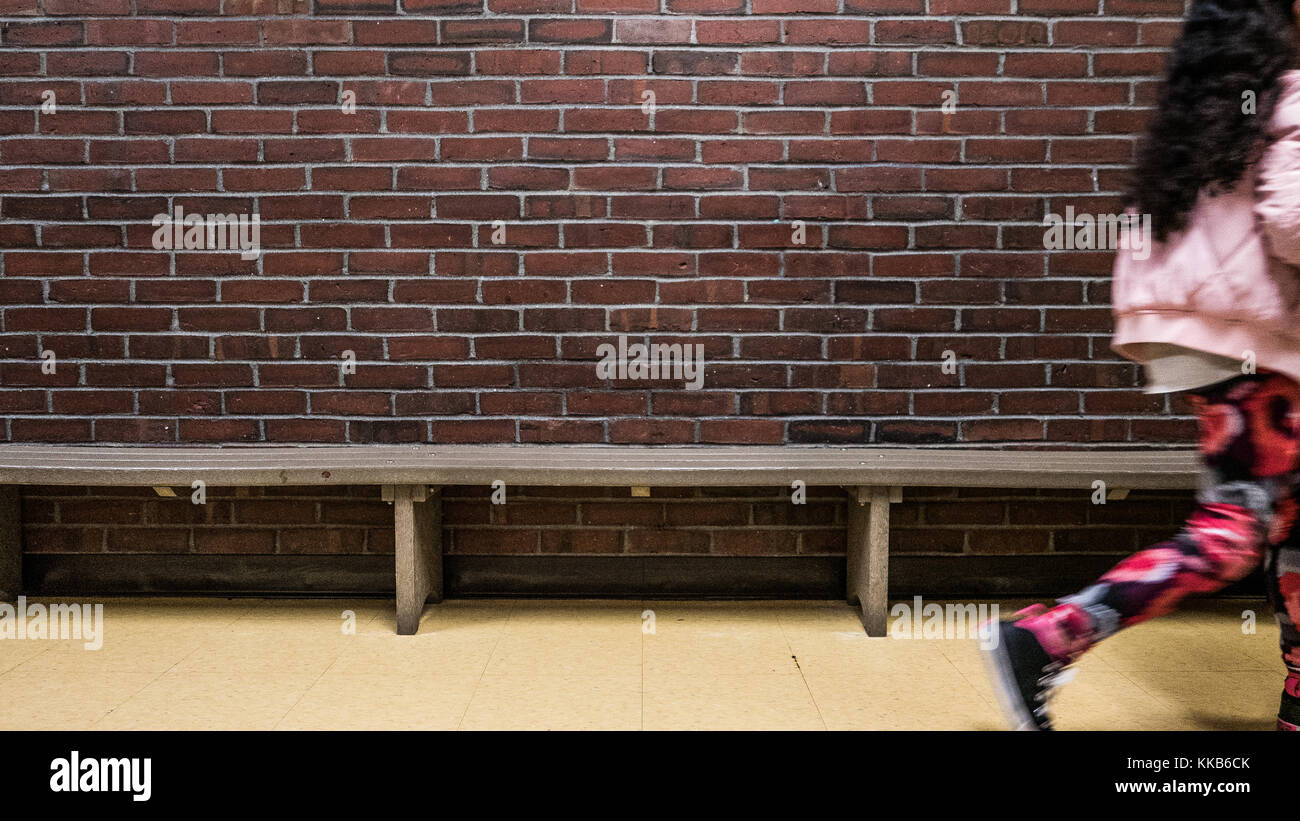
x,y
601,521
923,227
503,198
283,521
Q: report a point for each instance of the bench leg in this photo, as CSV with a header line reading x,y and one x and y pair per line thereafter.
x,y
11,545
868,555
417,526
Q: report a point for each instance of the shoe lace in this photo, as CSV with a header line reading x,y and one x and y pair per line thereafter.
x,y
1055,673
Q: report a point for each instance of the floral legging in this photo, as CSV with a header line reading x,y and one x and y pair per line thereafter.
x,y
1246,511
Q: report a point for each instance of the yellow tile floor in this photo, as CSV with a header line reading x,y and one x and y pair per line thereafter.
x,y
480,664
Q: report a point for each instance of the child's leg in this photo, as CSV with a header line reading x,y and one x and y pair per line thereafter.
x,y
1249,440
1283,579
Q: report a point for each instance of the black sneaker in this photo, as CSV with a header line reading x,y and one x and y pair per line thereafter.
x,y
1288,714
1023,675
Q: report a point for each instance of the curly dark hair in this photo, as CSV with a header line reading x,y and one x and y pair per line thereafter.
x,y
1200,136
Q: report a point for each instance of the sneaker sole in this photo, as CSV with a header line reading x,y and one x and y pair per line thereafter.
x,y
998,665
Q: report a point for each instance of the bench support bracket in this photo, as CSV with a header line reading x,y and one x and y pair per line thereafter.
x,y
417,532
11,545
868,553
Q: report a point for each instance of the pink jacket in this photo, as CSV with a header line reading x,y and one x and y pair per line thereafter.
x,y
1226,283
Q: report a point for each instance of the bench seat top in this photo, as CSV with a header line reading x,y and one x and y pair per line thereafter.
x,y
591,465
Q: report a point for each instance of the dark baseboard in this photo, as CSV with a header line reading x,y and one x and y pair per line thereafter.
x,y
90,574
795,577
783,577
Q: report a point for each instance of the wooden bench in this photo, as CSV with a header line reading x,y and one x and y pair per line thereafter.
x,y
411,478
